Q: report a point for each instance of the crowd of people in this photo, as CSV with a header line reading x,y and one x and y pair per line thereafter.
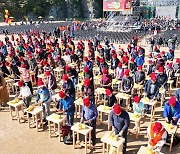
x,y
40,53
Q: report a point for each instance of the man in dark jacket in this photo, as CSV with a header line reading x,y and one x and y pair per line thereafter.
x,y
68,86
102,65
162,78
114,62
127,82
120,121
139,76
151,89
73,75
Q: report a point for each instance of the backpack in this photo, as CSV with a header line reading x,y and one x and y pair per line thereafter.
x,y
68,139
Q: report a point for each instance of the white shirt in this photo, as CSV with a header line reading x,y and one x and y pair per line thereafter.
x,y
25,91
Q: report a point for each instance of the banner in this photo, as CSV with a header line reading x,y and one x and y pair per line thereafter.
x,y
117,5
166,11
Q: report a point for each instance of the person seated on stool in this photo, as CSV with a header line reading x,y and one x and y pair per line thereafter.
x,y
25,93
43,99
151,90
111,99
88,116
67,103
172,111
162,78
139,76
106,79
120,121
51,82
157,136
137,108
88,90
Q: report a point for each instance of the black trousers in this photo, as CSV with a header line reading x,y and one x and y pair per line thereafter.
x,y
93,133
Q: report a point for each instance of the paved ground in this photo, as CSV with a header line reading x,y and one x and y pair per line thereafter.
x,y
18,138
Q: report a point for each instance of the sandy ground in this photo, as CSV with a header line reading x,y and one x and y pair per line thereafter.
x,y
18,138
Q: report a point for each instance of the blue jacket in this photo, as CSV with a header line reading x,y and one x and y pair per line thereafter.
x,y
89,64
45,93
120,122
67,104
167,109
139,60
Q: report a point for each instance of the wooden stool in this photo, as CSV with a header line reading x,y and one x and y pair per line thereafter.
x,y
162,92
170,82
108,142
153,104
125,97
58,73
99,92
177,75
55,121
106,110
143,150
16,106
10,84
33,78
78,104
139,88
86,132
136,121
35,112
170,131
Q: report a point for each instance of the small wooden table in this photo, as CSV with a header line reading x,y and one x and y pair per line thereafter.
x,y
177,75
85,132
35,112
102,109
117,82
143,150
16,87
16,106
95,70
137,121
42,76
126,97
58,72
78,104
10,84
73,65
170,82
138,87
99,92
162,91
78,92
152,104
33,78
97,80
108,142
55,121
170,131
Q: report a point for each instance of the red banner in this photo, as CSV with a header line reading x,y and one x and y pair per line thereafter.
x,y
117,5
